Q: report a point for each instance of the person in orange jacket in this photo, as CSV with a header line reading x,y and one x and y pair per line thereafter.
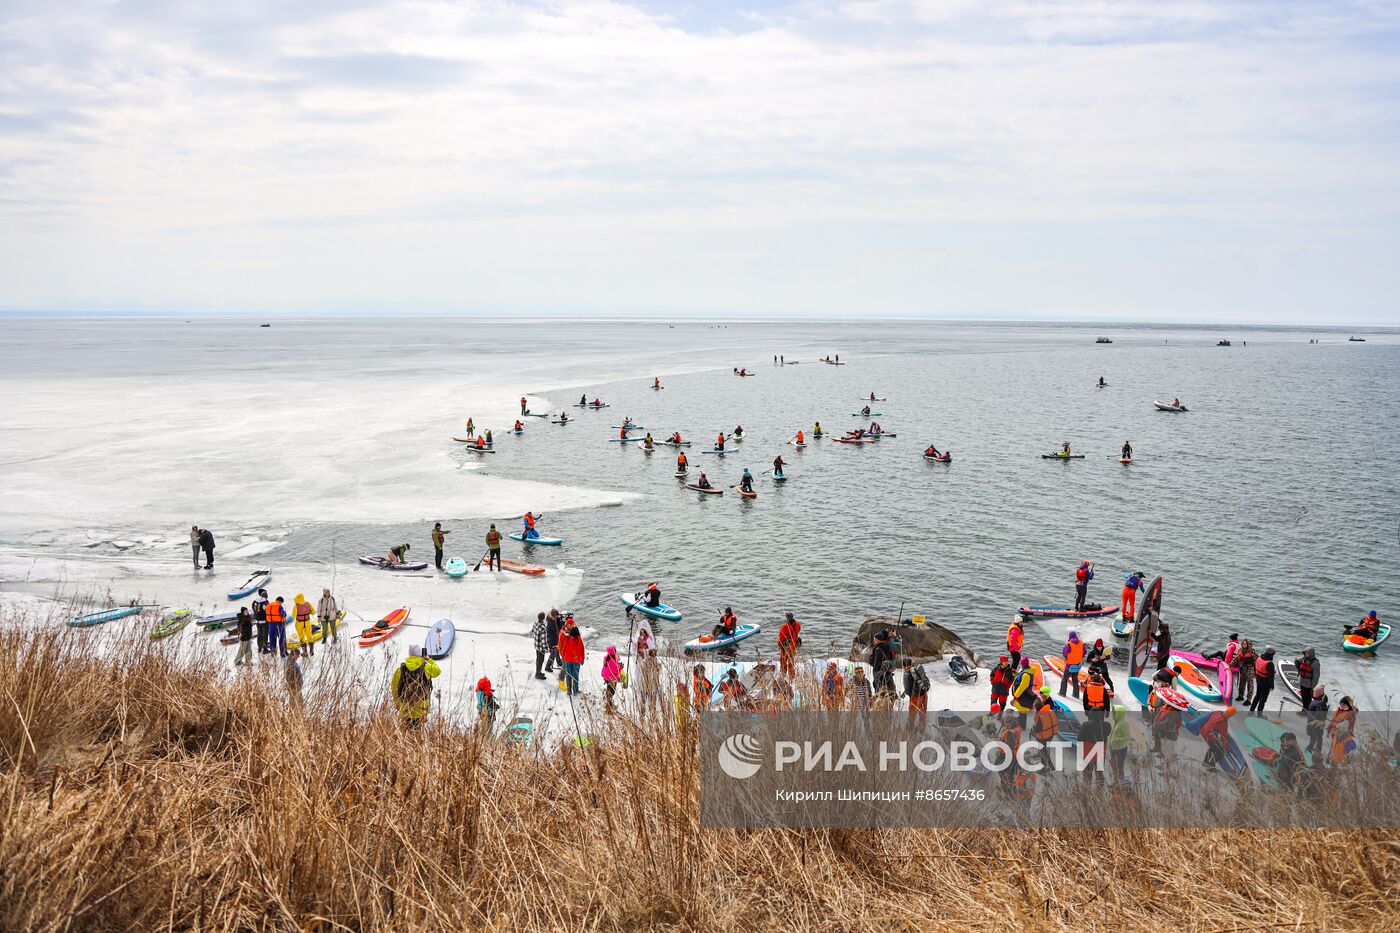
x,y
1015,639
700,688
277,626
789,640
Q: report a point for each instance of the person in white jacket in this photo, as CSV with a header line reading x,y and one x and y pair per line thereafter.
x,y
328,612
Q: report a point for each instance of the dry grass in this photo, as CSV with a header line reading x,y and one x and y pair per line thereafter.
x,y
142,795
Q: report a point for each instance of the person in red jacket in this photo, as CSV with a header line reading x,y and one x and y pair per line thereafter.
x,y
789,638
1015,640
1216,734
571,653
1082,575
1002,676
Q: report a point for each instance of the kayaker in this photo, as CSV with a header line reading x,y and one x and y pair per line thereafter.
x,y
519,426
1132,582
523,409
493,548
777,466
789,640
719,441
834,686
571,653
1098,661
647,442
1082,575
529,521
471,428
746,481
728,624
1015,638
652,597
398,555
329,615
1127,450
1073,656
1164,644
1309,671
1263,681
1001,678
1064,449
704,481
676,438
259,608
1216,734
816,429
438,537
1369,628
301,614
916,688
700,688
681,462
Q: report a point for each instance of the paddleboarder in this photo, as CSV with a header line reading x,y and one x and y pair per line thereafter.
x,y
704,481
529,530
523,409
1127,450
728,624
778,463
816,429
493,548
438,535
681,462
1132,583
1082,575
398,555
746,481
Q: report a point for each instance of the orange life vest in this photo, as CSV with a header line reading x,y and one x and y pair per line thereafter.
x,y
1076,654
1047,723
276,613
1095,696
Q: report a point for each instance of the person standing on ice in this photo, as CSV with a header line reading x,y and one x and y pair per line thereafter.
x,y
277,626
329,614
540,633
572,653
206,543
194,544
612,676
260,619
301,615
245,638
493,549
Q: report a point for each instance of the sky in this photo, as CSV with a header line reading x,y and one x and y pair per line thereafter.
x,y
1147,159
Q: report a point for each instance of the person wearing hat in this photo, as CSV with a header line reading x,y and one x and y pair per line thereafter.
x,y
1369,627
486,705
1164,644
882,665
1082,575
916,687
859,690
1263,681
1317,718
493,548
612,675
259,608
651,598
411,686
1023,690
1015,639
571,653
1002,676
439,536
789,640
700,688
833,686
398,555
1309,674
1290,760
329,614
540,633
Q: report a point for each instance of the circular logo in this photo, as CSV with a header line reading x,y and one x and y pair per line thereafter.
x,y
740,756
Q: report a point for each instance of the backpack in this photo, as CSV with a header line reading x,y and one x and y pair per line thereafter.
x,y
921,684
413,684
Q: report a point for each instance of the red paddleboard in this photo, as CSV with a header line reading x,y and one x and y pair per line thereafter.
x,y
1058,666
385,627
746,495
514,566
1172,698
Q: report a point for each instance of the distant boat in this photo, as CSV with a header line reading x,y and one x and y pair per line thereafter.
x,y
1103,340
1357,339
264,325
1222,343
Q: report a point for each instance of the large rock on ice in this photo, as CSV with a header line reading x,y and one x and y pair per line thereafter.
x,y
923,643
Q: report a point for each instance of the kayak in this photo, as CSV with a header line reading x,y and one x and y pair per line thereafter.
x,y
1355,645
250,586
1192,681
570,421
1060,612
736,438
714,490
538,539
385,627
1162,406
800,446
383,564
105,615
711,643
746,495
1200,664
591,405
171,623
1062,456
1142,690
946,458
663,611
441,635
456,567
514,566
867,414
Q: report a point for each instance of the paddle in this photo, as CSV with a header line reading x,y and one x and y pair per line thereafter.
x,y
478,563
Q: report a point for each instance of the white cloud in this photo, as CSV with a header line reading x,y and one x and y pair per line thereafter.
x,y
1161,159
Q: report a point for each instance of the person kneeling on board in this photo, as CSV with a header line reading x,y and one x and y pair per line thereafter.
x,y
746,481
412,686
728,624
398,555
529,530
704,482
652,597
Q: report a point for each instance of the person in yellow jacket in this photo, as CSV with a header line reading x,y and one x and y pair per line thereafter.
x,y
412,686
301,615
1023,690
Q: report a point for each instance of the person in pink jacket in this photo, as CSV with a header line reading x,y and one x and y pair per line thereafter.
x,y
612,674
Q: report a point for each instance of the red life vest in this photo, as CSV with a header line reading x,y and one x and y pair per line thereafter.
x,y
1261,667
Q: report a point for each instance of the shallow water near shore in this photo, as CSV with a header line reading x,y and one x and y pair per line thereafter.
x,y
1269,508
